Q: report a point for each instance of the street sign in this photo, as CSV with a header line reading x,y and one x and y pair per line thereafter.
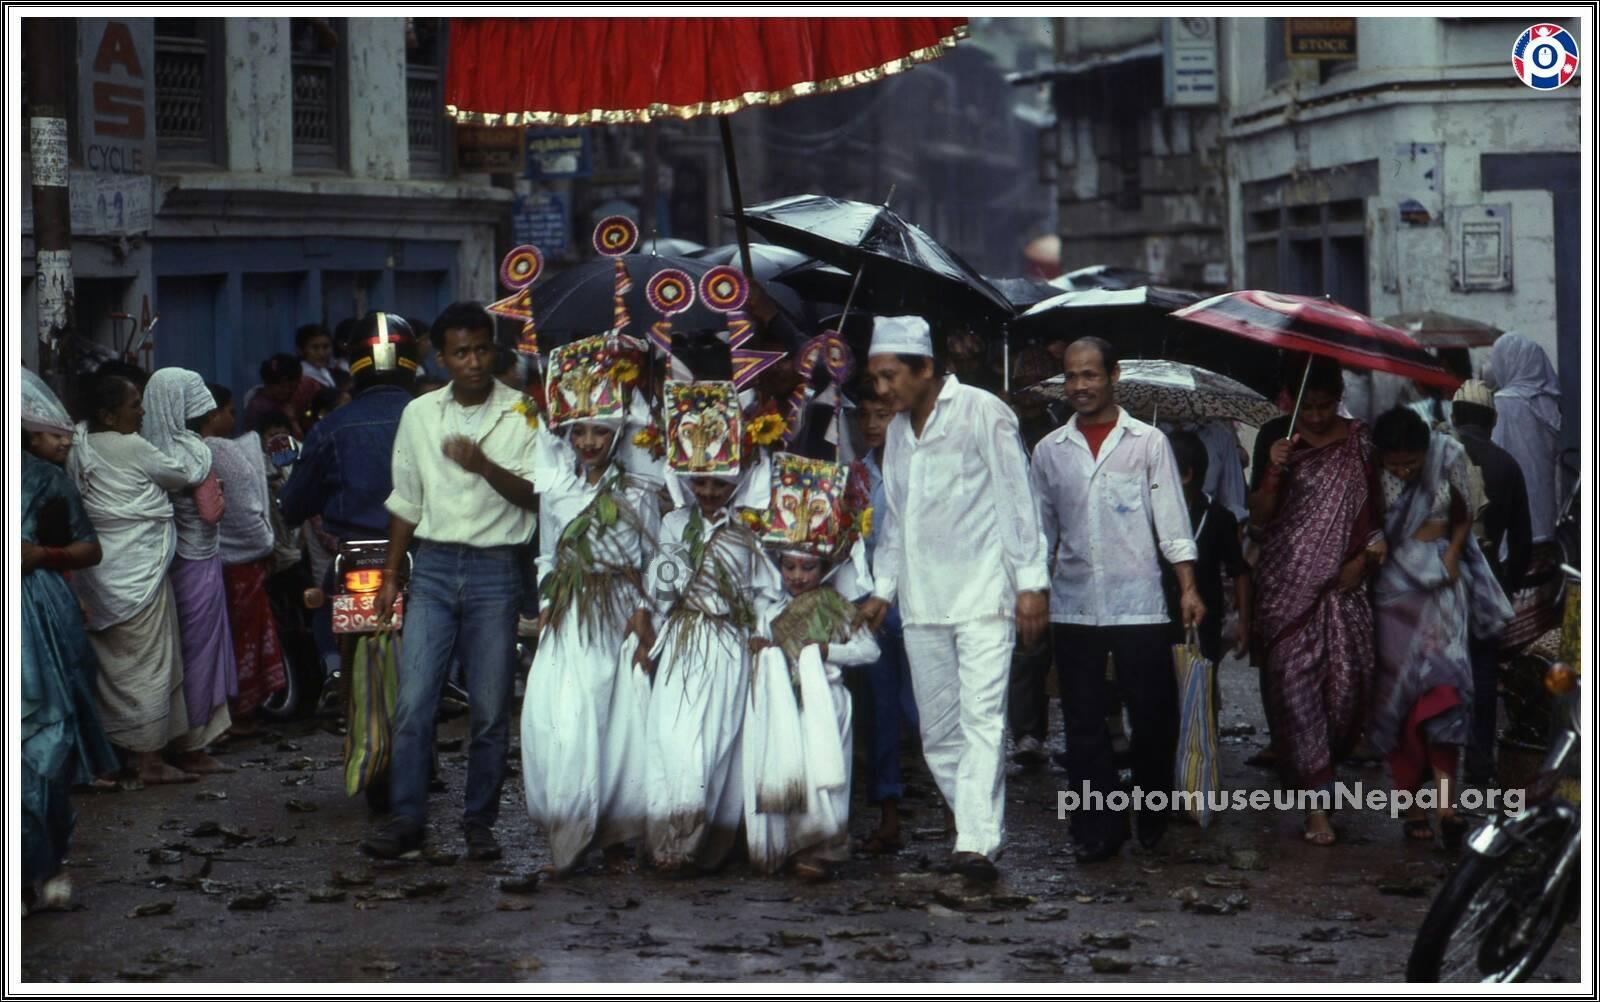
x,y
559,153
1189,61
482,149
104,205
1319,37
543,219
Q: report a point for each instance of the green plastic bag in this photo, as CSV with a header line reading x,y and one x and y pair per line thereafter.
x,y
373,682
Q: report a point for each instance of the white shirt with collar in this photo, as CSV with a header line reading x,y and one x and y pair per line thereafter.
x,y
445,502
1104,518
960,535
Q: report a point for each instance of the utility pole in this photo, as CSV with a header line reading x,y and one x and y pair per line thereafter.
x,y
52,206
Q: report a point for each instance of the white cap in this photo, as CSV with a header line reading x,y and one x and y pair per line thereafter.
x,y
901,336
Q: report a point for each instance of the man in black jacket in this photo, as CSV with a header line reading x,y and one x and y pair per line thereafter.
x,y
1500,520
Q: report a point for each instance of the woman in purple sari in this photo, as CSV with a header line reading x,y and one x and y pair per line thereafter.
x,y
174,402
1320,539
1435,589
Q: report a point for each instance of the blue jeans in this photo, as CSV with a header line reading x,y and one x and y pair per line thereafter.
x,y
462,600
889,690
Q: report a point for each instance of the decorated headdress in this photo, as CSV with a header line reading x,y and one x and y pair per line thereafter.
x,y
591,380
818,509
705,437
826,353
614,237
520,269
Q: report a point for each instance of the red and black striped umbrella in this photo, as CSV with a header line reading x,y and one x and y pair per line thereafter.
x,y
1320,327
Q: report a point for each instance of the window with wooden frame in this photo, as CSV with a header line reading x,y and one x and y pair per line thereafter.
x,y
321,134
188,75
427,131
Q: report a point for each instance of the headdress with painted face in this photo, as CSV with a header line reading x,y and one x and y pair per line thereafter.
x,y
591,381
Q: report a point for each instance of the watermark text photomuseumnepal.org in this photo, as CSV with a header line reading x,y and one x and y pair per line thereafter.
x,y
1342,796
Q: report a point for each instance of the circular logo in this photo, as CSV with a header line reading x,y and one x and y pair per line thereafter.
x,y
1545,57
724,289
615,235
521,267
670,292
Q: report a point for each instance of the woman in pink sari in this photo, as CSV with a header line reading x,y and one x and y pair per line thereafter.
x,y
1322,535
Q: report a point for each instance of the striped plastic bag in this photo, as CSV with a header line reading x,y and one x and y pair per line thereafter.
x,y
373,683
1195,771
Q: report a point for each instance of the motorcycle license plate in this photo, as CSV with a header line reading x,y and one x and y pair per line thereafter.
x,y
359,613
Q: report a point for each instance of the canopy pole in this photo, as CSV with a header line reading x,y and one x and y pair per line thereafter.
x,y
731,161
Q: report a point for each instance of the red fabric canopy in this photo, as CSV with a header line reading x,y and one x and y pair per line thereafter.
x,y
1320,327
593,70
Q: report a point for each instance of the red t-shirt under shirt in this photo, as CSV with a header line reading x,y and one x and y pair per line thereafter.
x,y
1095,435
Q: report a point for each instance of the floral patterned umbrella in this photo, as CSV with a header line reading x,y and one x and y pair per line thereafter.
x,y
1155,389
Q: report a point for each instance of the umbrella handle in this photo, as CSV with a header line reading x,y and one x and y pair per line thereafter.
x,y
1295,418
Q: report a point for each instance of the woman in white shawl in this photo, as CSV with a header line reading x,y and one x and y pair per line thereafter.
x,y
128,605
176,400
1527,403
583,716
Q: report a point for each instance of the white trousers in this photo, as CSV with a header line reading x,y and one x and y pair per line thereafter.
x,y
960,675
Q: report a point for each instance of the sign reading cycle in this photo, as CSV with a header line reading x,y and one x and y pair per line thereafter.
x,y
1319,37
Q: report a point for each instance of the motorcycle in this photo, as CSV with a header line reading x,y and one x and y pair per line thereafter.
x,y
1503,907
292,594
359,572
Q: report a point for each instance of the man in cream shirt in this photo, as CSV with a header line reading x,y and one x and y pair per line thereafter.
x,y
962,551
463,491
1111,502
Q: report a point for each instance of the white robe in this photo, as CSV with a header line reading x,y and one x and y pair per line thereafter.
x,y
124,481
822,824
698,701
582,715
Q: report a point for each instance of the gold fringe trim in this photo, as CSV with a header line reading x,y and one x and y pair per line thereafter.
x,y
768,98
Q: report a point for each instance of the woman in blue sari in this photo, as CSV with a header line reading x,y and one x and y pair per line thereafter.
x,y
62,743
1435,589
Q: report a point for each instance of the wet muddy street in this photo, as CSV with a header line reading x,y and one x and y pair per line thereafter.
x,y
256,876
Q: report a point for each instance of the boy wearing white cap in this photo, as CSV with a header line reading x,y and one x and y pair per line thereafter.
x,y
963,553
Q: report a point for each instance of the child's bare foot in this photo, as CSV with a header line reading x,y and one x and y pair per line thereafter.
x,y
619,860
158,773
200,764
813,871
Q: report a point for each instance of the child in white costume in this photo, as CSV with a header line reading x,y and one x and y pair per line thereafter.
x,y
712,585
583,717
797,738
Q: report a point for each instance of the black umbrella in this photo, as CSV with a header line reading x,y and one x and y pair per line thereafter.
x,y
901,267
1138,322
1102,276
768,260
577,302
818,282
670,247
1096,311
1023,293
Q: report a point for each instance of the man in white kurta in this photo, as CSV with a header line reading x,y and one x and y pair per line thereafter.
x,y
963,552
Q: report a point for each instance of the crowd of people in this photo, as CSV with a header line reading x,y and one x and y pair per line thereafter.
x,y
707,586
